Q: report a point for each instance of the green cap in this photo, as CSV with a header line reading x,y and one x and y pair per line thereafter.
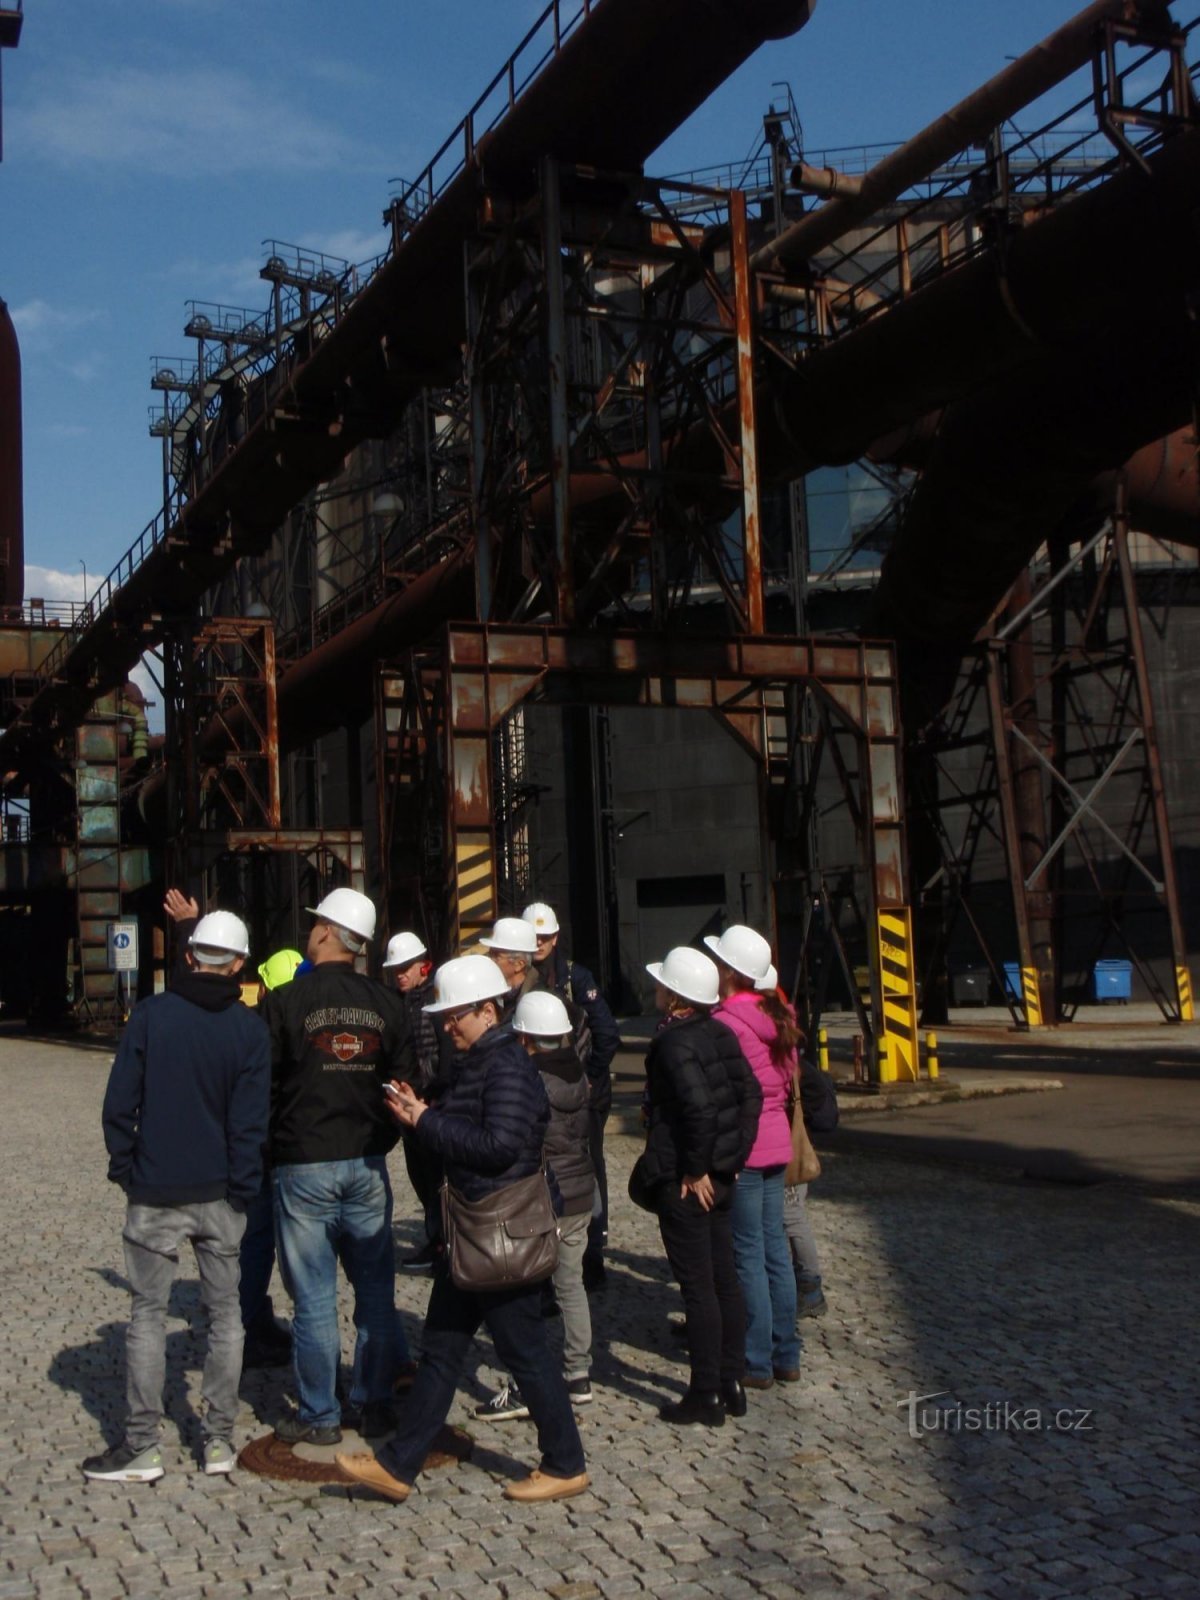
x,y
280,968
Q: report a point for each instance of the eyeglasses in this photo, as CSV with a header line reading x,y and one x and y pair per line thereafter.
x,y
457,1016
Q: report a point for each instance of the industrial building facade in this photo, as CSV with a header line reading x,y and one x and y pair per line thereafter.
x,y
815,550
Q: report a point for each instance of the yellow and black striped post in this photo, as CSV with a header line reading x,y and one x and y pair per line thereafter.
x,y
823,1049
1031,997
931,1056
897,1026
1183,990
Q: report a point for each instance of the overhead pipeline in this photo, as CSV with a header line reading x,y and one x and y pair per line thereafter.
x,y
12,504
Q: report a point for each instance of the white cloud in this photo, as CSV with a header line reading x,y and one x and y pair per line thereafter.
x,y
354,244
39,324
181,122
48,583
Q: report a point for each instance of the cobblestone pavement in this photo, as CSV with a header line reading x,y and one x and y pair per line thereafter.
x,y
1060,1300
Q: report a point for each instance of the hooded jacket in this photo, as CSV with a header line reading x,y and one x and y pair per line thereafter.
x,y
703,1102
566,1088
185,1111
755,1031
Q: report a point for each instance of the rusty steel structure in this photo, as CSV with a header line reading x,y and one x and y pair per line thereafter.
x,y
1050,750
536,454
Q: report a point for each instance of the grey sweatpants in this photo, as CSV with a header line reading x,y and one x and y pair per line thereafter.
x,y
153,1235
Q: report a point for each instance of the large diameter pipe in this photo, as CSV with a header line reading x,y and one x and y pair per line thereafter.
x,y
969,122
333,686
1106,257
1010,463
12,503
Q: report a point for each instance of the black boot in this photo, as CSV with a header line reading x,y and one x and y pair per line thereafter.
x,y
706,1409
734,1397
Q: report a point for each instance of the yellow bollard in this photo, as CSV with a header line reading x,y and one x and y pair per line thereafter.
x,y
823,1049
883,1052
931,1055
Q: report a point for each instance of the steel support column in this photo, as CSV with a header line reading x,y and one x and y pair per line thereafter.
x,y
1162,826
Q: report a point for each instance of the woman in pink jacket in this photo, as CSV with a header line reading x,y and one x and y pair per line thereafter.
x,y
760,1246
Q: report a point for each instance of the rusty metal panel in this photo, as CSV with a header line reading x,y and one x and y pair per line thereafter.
x,y
886,803
100,824
508,689
97,867
889,868
836,660
97,742
881,711
472,798
101,904
467,647
508,648
879,661
97,784
762,660
468,702
22,650
848,699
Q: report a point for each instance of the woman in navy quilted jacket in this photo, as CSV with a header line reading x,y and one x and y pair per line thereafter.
x,y
488,1129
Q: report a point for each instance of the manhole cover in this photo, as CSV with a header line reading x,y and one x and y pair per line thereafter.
x,y
271,1458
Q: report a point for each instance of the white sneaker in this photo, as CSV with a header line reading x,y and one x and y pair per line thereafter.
x,y
219,1457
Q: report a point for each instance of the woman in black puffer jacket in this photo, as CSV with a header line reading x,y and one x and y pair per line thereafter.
x,y
703,1104
488,1129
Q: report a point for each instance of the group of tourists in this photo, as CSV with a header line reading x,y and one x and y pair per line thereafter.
x,y
252,1132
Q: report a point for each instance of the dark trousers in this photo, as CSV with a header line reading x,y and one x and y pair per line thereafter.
x,y
514,1320
699,1246
425,1175
598,1227
258,1263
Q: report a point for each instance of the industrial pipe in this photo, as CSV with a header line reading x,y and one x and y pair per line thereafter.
x,y
970,122
12,512
1010,462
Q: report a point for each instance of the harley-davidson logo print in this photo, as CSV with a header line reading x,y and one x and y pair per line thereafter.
x,y
346,1046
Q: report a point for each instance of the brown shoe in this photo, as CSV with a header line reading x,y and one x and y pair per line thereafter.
x,y
544,1486
365,1469
787,1374
757,1383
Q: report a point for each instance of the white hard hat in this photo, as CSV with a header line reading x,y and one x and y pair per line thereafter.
x,y
349,909
541,918
689,974
512,933
742,949
769,981
466,981
218,936
403,948
541,1014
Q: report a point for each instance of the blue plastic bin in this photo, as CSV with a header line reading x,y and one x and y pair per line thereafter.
x,y
1113,980
1012,980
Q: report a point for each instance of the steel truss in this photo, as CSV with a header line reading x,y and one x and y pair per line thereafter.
x,y
442,712
227,841
1050,750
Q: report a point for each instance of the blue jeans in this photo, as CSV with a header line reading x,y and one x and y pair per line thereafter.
x,y
514,1320
326,1212
764,1267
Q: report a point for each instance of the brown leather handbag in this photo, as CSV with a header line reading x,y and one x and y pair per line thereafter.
x,y
508,1238
805,1165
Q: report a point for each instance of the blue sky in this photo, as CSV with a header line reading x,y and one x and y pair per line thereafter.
x,y
150,146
